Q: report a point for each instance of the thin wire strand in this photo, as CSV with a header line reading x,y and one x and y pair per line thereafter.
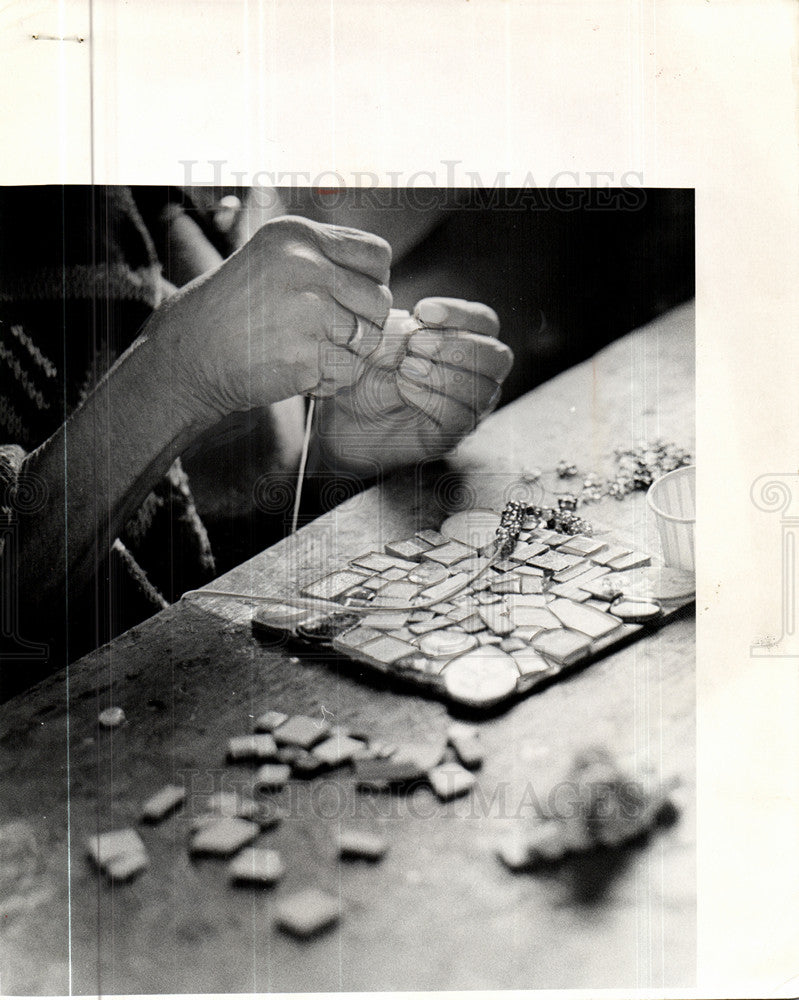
x,y
306,442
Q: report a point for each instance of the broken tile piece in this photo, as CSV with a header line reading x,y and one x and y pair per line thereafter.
x,y
529,662
445,643
222,837
562,645
393,573
466,743
525,570
333,585
301,731
337,750
482,677
488,639
272,777
449,553
511,644
385,619
450,780
268,721
377,562
253,746
611,551
386,650
400,591
506,584
432,537
307,912
635,610
526,550
162,803
382,773
116,846
580,618
582,545
527,617
571,572
422,628
496,618
259,865
553,561
126,866
514,852
527,633
112,717
630,561
513,601
428,574
532,585
447,588
361,844
354,638
410,549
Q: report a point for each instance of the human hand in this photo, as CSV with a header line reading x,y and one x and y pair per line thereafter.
x,y
274,320
426,385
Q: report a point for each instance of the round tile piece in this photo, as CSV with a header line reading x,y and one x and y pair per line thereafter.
x,y
428,574
476,527
631,610
446,643
481,678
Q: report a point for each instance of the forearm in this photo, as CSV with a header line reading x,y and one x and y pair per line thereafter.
x,y
100,465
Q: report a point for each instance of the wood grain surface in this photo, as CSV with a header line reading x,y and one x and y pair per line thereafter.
x,y
440,911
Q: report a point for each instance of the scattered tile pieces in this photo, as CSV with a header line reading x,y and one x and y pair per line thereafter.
x,y
466,743
272,777
223,837
268,721
259,865
337,750
450,780
112,717
307,912
120,854
163,802
301,731
361,844
253,746
382,773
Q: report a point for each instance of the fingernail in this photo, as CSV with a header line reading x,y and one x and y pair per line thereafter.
x,y
432,313
415,368
425,343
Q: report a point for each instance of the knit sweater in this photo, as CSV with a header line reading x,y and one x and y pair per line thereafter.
x,y
79,275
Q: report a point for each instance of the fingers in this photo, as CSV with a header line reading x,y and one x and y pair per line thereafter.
x,y
457,314
355,250
448,415
470,389
346,329
470,352
359,294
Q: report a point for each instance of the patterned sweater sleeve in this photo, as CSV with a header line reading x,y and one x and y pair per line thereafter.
x,y
79,276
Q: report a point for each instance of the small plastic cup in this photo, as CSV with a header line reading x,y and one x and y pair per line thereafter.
x,y
673,499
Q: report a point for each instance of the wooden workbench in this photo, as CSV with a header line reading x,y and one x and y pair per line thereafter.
x,y
440,912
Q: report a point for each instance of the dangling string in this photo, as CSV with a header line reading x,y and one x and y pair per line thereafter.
x,y
306,442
